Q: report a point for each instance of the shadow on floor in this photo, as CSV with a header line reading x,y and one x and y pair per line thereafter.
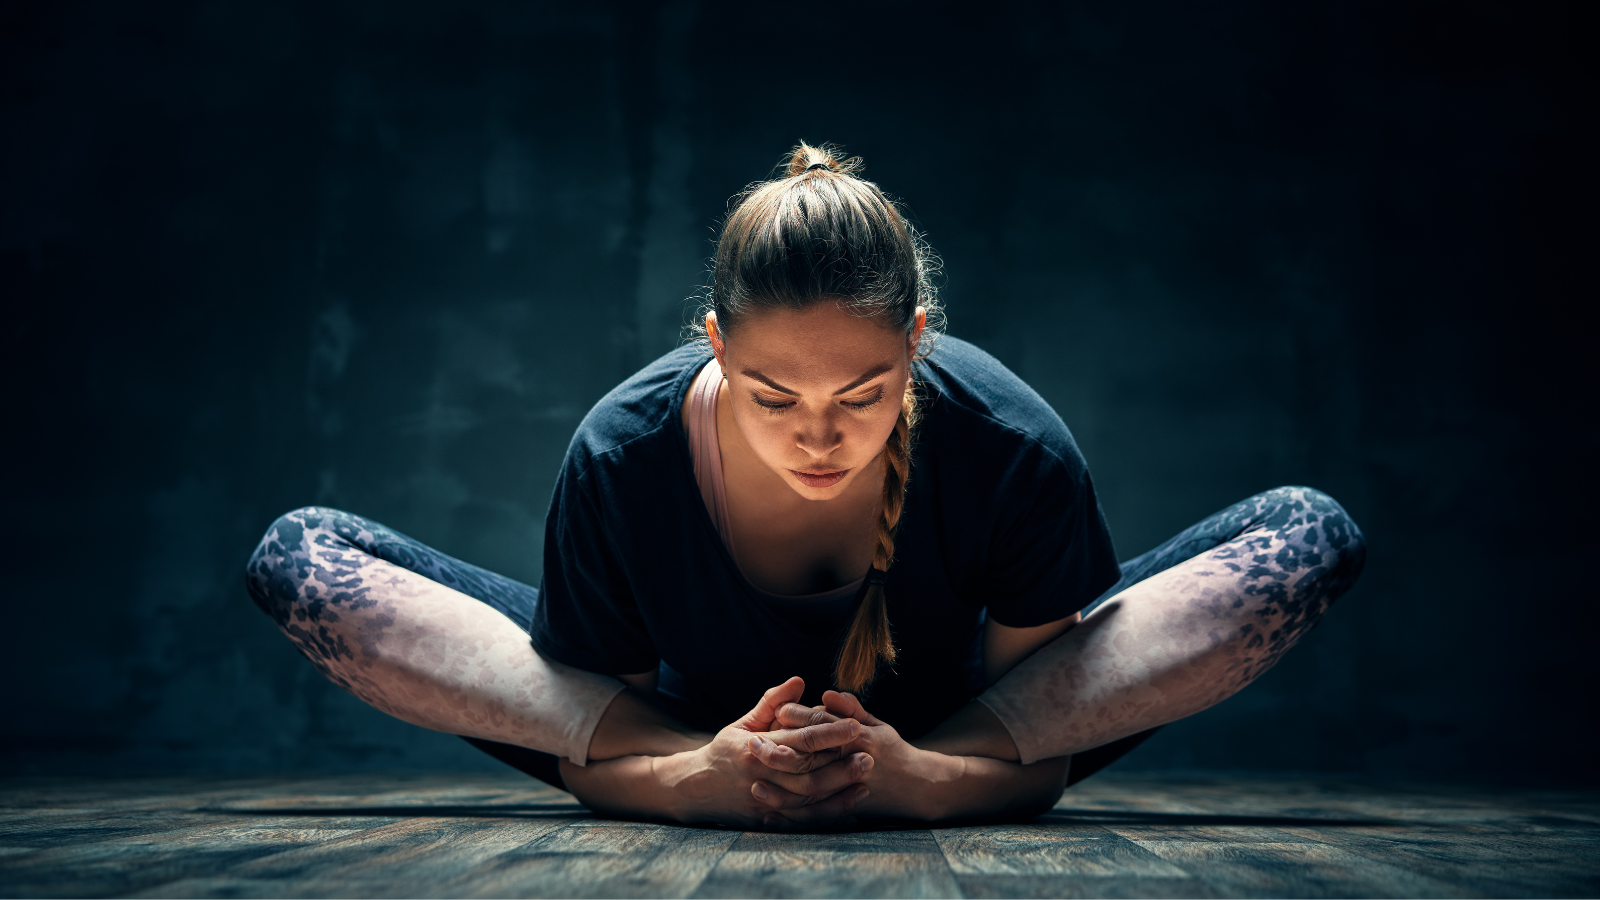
x,y
531,810
575,811
1102,817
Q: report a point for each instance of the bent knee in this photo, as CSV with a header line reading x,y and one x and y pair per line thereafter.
x,y
282,561
1328,529
286,538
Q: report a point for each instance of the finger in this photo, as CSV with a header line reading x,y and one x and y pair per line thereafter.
x,y
826,781
818,737
793,715
788,759
761,718
833,811
847,706
778,798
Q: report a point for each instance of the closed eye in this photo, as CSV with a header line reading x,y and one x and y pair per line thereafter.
x,y
778,406
768,404
874,400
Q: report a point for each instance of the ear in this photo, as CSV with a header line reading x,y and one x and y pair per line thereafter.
x,y
916,331
715,336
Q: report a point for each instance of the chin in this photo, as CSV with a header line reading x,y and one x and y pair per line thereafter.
x,y
811,493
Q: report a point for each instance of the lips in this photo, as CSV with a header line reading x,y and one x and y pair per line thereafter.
x,y
819,479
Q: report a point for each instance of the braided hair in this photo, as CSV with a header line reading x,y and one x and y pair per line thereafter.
x,y
819,233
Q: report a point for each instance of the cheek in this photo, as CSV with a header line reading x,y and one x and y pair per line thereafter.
x,y
765,434
864,437
874,431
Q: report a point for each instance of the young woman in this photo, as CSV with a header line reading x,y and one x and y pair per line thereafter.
x,y
818,495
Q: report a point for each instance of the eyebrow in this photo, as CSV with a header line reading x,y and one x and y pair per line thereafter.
x,y
866,376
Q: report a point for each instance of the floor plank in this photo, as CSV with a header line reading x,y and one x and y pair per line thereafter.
x,y
415,857
1304,869
600,859
1069,852
803,872
385,835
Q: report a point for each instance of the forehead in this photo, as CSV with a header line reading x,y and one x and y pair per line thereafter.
x,y
820,343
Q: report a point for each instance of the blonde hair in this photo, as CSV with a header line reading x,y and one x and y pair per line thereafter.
x,y
819,233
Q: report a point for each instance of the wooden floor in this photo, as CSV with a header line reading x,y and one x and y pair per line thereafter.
x,y
506,836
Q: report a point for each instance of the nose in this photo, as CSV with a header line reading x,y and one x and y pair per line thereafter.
x,y
818,437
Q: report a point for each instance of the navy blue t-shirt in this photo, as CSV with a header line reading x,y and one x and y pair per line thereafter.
x,y
1000,516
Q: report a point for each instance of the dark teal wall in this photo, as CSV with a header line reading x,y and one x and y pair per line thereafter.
x,y
383,256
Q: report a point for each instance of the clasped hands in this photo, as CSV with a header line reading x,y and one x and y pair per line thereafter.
x,y
806,766
781,766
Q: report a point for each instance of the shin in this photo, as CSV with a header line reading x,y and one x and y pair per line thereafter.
x,y
410,645
1189,635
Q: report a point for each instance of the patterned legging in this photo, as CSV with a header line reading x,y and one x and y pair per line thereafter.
x,y
310,566
1318,557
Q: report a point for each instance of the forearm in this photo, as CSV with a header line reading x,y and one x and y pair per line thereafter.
x,y
974,730
626,787
991,787
967,768
625,776
939,787
633,726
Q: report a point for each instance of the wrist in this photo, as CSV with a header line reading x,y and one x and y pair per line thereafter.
x,y
668,777
662,799
937,791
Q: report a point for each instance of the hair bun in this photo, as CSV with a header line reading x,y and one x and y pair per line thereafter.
x,y
806,158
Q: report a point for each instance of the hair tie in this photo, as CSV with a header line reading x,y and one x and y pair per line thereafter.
x,y
875,576
817,165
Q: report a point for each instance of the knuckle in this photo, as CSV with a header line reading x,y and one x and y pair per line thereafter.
x,y
794,766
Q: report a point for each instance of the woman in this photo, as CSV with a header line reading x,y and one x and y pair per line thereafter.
x,y
706,545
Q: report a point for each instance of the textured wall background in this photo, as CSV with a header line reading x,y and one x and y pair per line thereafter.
x,y
383,256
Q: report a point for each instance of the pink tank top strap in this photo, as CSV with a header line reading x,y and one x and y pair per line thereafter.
x,y
707,455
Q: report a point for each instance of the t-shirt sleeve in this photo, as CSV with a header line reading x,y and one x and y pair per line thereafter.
x,y
1053,556
586,616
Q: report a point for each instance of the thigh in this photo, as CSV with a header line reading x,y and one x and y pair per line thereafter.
x,y
1310,528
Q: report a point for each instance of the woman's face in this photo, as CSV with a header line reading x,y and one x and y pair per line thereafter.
x,y
815,393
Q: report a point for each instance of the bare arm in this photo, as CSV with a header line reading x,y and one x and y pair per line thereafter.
x,y
975,730
634,725
1004,646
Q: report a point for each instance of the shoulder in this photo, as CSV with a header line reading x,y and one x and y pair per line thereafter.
x,y
978,398
642,409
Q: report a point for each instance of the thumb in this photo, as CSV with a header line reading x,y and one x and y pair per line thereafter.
x,y
765,712
848,707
